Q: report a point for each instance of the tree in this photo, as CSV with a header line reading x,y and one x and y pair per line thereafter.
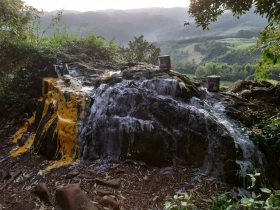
x,y
15,28
269,43
140,50
15,17
207,11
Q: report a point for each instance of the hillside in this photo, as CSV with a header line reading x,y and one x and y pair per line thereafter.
x,y
156,24
220,49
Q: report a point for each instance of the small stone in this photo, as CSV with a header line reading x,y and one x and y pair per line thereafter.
x,y
4,175
71,197
114,183
103,192
166,170
72,174
41,190
110,201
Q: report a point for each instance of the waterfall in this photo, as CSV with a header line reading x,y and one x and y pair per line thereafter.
x,y
161,118
252,158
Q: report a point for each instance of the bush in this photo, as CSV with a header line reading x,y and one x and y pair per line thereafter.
x,y
269,44
266,130
97,48
23,64
140,50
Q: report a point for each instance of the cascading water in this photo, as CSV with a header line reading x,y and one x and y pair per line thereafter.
x,y
252,159
149,115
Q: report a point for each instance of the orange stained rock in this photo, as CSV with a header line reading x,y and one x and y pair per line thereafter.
x,y
68,102
19,150
56,164
18,135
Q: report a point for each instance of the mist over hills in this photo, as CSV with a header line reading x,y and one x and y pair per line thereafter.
x,y
156,24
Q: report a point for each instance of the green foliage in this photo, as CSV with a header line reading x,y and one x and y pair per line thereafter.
x,y
205,11
19,90
182,201
187,201
271,131
22,65
19,55
15,17
269,43
223,202
96,48
140,50
262,198
266,130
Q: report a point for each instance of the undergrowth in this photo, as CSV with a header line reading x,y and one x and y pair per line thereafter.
x,y
266,130
253,198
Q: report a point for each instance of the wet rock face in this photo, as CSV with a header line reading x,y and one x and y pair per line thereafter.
x,y
251,98
158,117
151,119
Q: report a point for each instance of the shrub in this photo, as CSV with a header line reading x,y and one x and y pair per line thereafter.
x,y
140,50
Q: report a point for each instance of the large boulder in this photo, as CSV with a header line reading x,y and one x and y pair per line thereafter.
x,y
150,116
158,117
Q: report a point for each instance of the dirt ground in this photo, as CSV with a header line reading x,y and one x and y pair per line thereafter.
x,y
135,184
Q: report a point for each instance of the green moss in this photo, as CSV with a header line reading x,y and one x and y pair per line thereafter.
x,y
186,80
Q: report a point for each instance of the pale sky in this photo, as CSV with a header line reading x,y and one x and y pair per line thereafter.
x,y
93,5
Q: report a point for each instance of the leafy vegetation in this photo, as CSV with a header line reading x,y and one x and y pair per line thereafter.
x,y
15,17
205,11
255,198
269,44
140,50
266,130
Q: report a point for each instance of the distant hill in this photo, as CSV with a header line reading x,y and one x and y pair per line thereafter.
x,y
156,24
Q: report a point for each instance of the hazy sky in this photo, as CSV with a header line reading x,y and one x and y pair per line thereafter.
x,y
92,5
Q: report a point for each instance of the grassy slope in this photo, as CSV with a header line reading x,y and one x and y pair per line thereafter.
x,y
175,48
